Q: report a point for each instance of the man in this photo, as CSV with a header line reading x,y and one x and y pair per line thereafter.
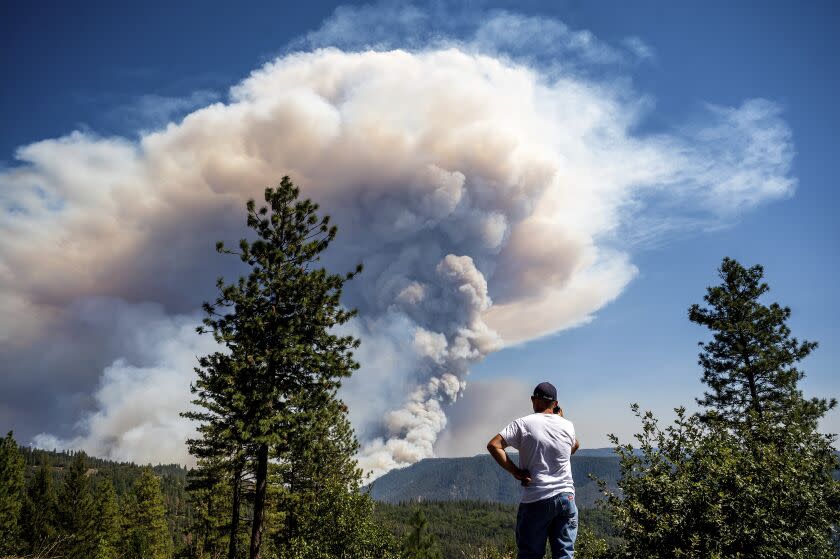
x,y
545,441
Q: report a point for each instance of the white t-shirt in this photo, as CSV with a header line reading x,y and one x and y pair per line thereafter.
x,y
544,442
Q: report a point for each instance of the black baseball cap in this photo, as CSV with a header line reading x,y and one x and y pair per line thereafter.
x,y
546,391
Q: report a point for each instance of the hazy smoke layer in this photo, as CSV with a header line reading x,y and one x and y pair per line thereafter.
x,y
484,197
138,403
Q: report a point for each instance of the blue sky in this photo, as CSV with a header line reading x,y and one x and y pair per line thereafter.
x,y
719,52
113,69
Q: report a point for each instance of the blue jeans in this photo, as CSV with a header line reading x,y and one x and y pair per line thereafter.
x,y
555,519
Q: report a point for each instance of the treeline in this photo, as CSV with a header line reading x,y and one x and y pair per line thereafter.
x,y
66,508
458,526
459,529
123,476
104,496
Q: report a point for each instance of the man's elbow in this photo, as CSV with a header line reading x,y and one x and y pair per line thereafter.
x,y
491,447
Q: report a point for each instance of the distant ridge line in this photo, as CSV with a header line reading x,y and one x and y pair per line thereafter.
x,y
479,478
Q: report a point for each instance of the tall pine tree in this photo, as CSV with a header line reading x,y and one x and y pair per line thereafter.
x,y
221,448
76,513
750,364
39,514
278,325
419,543
209,529
145,531
107,523
11,494
319,479
750,477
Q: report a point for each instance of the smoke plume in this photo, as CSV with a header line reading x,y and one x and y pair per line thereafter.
x,y
487,196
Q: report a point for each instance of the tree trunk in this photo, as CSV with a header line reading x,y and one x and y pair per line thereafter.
x,y
756,405
234,517
259,501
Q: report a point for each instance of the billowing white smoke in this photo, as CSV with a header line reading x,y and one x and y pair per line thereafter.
x,y
138,404
484,198
456,292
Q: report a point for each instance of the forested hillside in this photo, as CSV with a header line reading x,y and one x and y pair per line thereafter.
x,y
461,527
477,529
479,478
476,480
123,475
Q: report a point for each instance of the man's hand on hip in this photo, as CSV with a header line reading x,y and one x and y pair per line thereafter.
x,y
496,448
524,476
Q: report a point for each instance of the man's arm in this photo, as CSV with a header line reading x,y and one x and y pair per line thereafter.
x,y
496,448
576,446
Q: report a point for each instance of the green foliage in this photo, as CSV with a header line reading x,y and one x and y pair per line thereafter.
x,y
221,450
107,525
319,479
268,409
76,513
590,546
419,543
481,530
343,529
669,504
11,494
697,489
210,509
750,363
146,534
122,476
461,527
38,518
750,477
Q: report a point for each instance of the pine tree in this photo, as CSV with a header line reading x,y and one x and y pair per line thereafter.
x,y
209,530
221,448
146,533
76,513
697,489
319,479
750,364
39,513
107,525
11,494
278,327
750,477
419,543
